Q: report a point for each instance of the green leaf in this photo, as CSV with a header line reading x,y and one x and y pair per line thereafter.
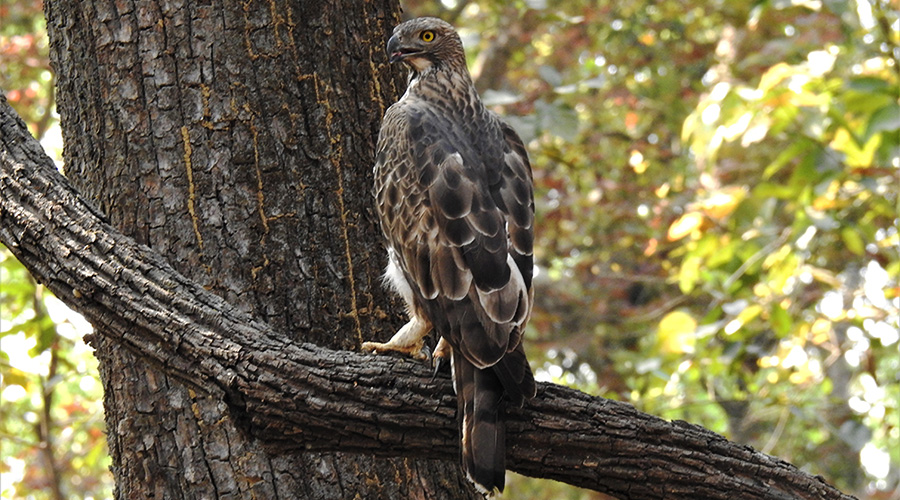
x,y
770,190
853,241
868,84
886,119
794,151
689,274
557,118
780,320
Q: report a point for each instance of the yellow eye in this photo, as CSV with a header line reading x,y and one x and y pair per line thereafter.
x,y
427,36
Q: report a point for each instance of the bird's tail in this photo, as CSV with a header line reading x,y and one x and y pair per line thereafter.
x,y
478,394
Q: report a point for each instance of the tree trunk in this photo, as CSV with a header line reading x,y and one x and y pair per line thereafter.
x,y
236,139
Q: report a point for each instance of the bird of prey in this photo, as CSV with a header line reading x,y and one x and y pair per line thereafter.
x,y
453,189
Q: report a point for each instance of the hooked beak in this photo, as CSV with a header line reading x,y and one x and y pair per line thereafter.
x,y
396,52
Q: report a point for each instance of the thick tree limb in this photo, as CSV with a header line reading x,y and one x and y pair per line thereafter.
x,y
299,395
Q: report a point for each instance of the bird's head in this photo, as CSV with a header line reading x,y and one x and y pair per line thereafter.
x,y
426,42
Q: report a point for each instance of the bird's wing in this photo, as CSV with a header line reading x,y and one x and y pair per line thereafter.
x,y
449,217
459,221
515,198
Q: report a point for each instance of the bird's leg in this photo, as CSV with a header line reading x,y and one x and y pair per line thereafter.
x,y
441,357
408,340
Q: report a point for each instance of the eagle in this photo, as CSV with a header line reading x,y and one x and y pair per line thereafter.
x,y
454,197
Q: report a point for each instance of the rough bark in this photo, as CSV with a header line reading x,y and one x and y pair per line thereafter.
x,y
235,138
298,396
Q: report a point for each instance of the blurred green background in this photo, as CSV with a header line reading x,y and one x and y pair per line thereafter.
x,y
717,196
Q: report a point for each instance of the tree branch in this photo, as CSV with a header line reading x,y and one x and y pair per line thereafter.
x,y
297,395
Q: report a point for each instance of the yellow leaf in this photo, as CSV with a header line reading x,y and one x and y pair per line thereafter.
x,y
827,199
856,155
775,75
820,331
808,99
637,162
777,257
749,313
650,249
801,377
723,202
743,317
662,190
684,225
677,333
823,275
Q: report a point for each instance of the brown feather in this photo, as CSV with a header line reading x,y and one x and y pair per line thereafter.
x,y
453,189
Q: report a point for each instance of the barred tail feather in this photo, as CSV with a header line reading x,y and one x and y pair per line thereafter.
x,y
481,426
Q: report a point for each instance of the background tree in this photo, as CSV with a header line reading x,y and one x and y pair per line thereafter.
x,y
724,177
718,210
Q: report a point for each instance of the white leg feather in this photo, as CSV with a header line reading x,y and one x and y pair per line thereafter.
x,y
410,339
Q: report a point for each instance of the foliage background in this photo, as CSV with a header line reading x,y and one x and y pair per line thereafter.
x,y
52,442
717,195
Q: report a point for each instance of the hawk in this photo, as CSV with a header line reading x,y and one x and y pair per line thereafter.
x,y
453,189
